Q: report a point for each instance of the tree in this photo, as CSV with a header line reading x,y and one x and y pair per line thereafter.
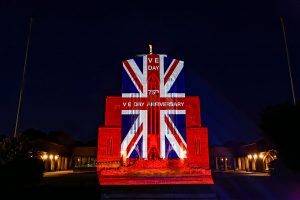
x,y
18,165
61,137
281,125
92,142
34,134
2,137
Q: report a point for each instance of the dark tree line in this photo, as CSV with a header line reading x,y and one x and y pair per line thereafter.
x,y
20,163
281,125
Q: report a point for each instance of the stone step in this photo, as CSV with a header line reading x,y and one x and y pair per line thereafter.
x,y
201,196
158,192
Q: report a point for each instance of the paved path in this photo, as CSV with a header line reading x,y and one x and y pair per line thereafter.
x,y
57,173
241,173
69,185
233,186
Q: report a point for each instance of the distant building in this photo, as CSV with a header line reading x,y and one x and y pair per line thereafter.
x,y
59,157
85,158
56,157
252,157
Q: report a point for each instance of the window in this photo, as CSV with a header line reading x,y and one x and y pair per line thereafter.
x,y
109,146
197,146
153,113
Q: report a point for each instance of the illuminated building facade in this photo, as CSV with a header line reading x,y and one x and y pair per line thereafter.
x,y
84,157
153,126
56,157
252,157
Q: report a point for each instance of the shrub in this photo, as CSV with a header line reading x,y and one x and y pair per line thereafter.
x,y
17,165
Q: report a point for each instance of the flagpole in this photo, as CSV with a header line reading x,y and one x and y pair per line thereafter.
x,y
288,60
23,79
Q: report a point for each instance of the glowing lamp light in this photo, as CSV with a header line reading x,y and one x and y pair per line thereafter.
x,y
250,156
45,157
255,156
225,158
183,154
261,156
222,159
56,157
122,153
51,157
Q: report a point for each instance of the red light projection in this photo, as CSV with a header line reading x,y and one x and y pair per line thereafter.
x,y
153,133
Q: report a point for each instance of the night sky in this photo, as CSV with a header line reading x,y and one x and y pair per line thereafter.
x,y
233,51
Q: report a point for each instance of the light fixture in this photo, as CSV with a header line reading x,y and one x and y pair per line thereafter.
x,y
261,156
56,157
255,156
45,156
51,157
250,156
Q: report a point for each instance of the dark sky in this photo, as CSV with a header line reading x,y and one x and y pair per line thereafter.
x,y
233,51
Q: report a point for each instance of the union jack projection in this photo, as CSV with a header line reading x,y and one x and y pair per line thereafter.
x,y
153,108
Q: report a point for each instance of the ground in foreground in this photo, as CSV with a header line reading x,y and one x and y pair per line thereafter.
x,y
227,186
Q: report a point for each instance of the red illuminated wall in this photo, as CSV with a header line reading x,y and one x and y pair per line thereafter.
x,y
109,138
109,144
197,136
197,143
113,111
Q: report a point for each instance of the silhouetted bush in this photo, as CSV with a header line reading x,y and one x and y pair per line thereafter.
x,y
22,171
18,165
280,124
